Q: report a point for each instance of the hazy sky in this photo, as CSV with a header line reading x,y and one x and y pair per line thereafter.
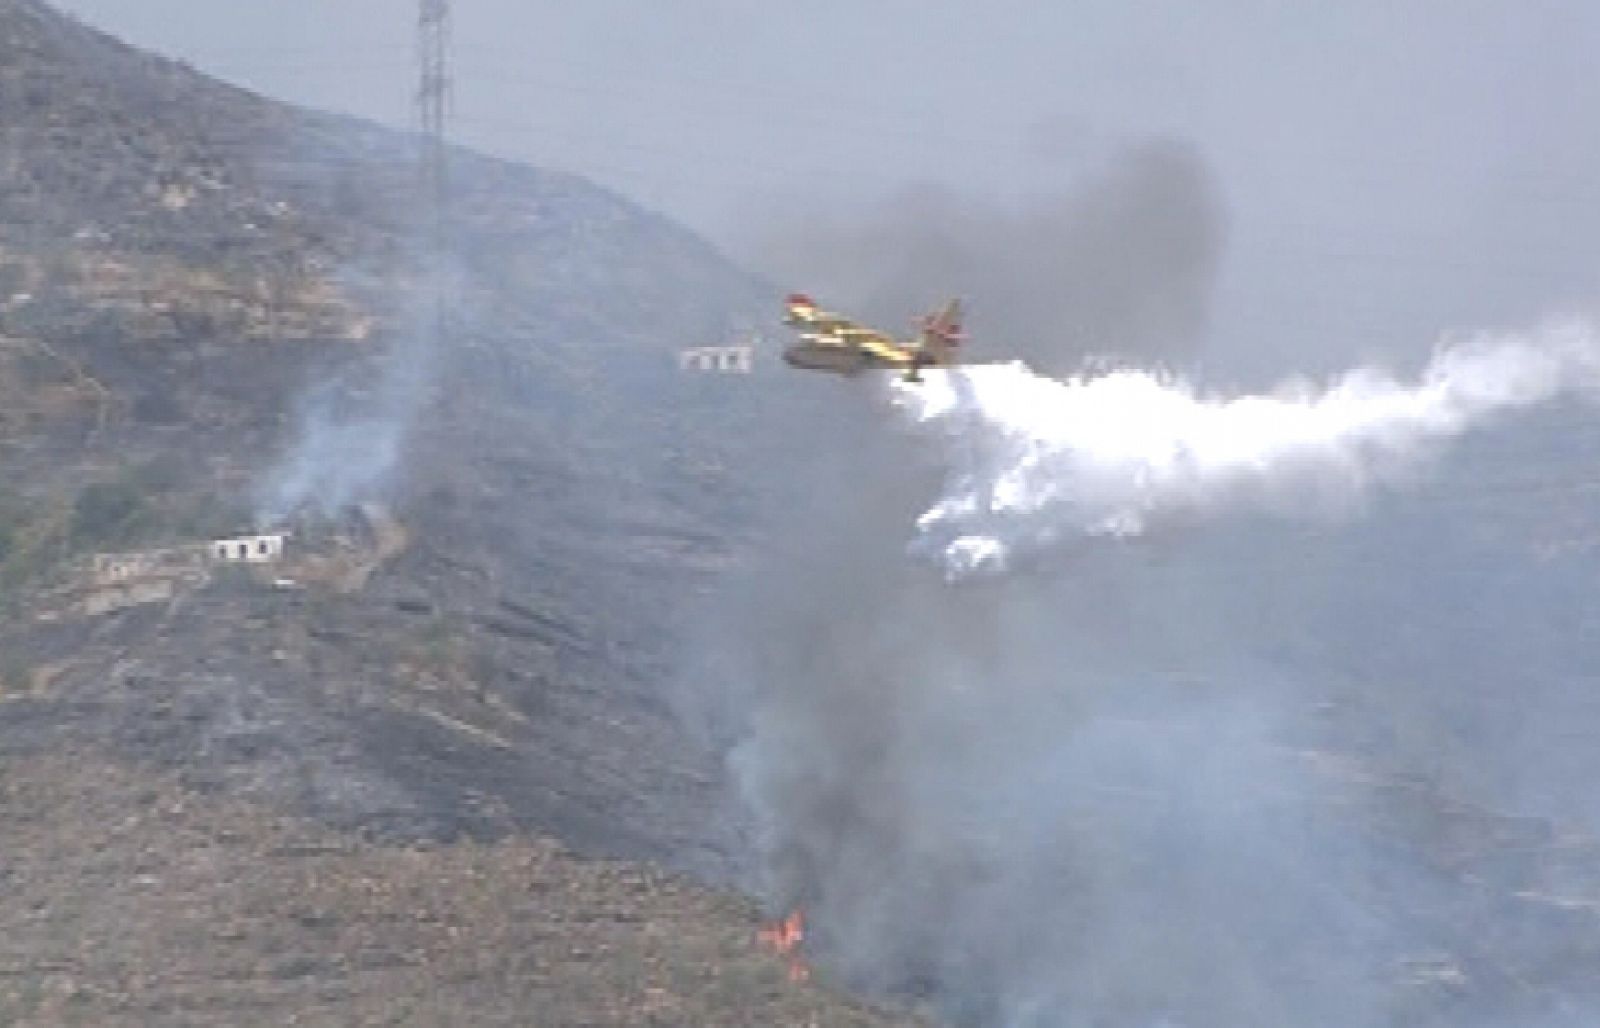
x,y
1389,169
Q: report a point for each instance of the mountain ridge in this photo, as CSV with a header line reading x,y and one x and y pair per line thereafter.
x,y
217,280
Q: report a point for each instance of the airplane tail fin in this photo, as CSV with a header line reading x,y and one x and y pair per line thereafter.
x,y
942,335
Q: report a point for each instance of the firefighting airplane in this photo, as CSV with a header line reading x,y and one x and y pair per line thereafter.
x,y
831,342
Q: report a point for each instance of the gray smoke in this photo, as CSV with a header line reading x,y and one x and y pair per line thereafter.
x,y
350,434
1118,263
1042,800
1137,781
352,424
336,461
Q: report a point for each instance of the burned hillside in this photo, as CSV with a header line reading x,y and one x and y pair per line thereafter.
x,y
182,264
374,603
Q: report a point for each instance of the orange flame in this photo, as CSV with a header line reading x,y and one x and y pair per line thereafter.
x,y
784,938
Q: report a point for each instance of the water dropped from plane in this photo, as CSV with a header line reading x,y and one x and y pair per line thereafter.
x,y
1035,462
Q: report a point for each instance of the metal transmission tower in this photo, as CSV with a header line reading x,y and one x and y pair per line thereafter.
x,y
433,97
433,103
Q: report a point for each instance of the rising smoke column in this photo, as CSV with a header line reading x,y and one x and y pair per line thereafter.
x,y
1134,792
342,456
1036,461
353,426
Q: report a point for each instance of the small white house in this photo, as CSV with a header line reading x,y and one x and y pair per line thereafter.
x,y
249,549
738,360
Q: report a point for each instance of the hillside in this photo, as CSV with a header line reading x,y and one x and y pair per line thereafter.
x,y
447,699
131,899
562,640
464,652
198,281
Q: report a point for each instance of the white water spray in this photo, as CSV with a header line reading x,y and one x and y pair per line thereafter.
x,y
1036,461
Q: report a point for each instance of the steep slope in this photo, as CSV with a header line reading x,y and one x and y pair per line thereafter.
x,y
131,900
196,282
201,291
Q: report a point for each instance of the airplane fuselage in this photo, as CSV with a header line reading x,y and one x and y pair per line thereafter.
x,y
841,358
833,343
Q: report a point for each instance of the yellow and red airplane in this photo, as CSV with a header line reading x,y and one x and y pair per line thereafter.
x,y
832,342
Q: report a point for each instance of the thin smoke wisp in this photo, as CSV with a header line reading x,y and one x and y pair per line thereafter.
x,y
1037,461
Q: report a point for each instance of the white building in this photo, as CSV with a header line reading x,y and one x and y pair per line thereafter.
x,y
248,549
739,360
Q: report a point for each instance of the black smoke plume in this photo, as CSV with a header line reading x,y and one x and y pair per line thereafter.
x,y
1121,263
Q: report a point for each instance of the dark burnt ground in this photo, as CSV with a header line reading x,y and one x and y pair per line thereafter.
x,y
181,264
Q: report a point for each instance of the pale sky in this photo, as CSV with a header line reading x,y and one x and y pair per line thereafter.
x,y
1389,169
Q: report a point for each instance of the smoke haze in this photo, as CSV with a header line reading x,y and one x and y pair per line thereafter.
x,y
1192,781
1246,777
350,430
1267,771
1121,261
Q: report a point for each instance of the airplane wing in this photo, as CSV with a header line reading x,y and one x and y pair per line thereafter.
x,y
805,315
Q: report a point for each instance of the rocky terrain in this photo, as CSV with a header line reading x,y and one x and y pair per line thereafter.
x,y
430,768
130,899
183,262
369,783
